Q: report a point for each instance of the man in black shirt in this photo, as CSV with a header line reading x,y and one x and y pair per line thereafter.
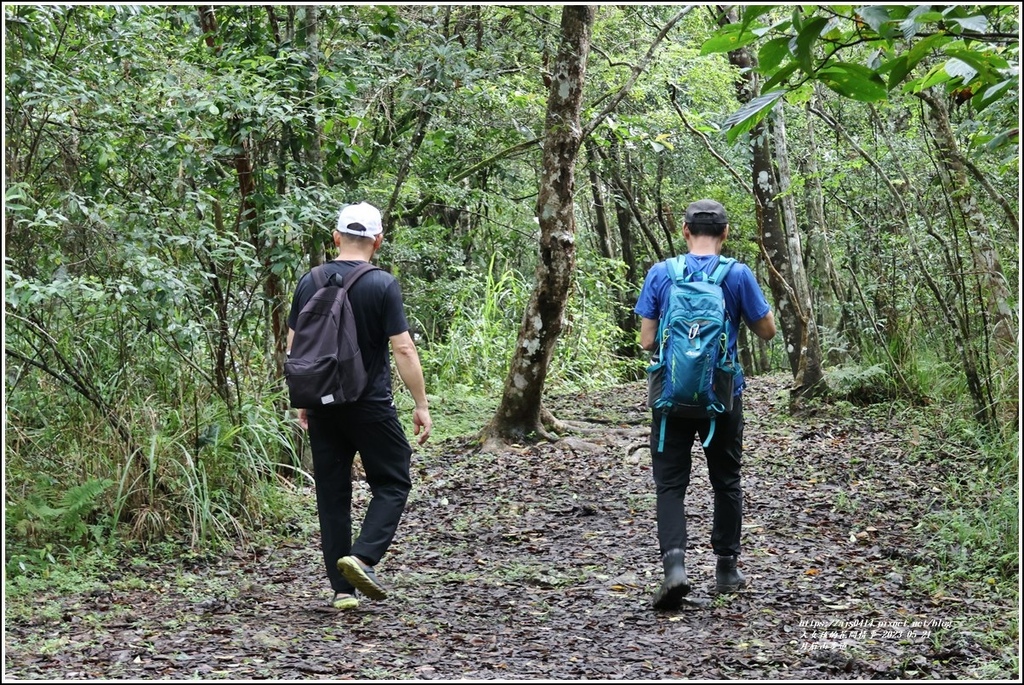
x,y
370,425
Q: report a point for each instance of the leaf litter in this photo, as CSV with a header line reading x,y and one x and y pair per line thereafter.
x,y
539,562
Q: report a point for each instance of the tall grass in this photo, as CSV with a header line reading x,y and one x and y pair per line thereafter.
x,y
487,311
976,533
196,491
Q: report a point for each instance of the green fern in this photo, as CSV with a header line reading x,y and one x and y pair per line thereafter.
x,y
36,520
80,500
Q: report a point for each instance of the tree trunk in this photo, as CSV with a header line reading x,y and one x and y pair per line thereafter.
x,y
519,414
821,263
1001,327
809,376
625,211
604,244
771,233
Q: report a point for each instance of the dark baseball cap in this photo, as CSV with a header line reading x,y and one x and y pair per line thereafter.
x,y
706,212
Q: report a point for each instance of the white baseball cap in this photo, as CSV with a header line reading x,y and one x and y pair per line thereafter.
x,y
362,219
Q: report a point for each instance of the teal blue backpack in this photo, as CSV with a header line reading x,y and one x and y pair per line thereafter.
x,y
691,373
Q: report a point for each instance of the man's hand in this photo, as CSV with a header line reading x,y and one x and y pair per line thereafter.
x,y
421,424
303,420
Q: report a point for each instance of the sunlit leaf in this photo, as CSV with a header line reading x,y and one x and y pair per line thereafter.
x,y
957,68
746,117
875,16
771,54
977,24
727,39
988,95
806,41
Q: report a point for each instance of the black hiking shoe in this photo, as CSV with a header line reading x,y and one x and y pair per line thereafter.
x,y
728,578
676,585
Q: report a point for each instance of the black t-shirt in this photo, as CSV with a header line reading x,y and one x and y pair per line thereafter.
x,y
377,307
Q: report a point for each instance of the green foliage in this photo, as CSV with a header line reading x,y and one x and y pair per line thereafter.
x,y
48,525
37,524
861,385
483,323
587,356
33,571
863,53
166,186
975,534
208,485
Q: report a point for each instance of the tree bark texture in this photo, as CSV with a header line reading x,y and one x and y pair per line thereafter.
x,y
771,233
519,413
1000,328
604,244
820,264
809,376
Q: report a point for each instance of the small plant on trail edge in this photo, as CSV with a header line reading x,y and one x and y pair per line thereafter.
x,y
37,529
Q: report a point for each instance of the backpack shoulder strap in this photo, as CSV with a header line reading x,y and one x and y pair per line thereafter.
x,y
319,280
676,268
357,273
724,264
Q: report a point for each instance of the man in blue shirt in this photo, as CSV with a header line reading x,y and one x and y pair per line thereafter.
x,y
705,229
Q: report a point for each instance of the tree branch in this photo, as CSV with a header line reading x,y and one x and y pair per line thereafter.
x,y
707,143
636,71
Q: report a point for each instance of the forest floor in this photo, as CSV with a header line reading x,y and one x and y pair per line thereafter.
x,y
539,562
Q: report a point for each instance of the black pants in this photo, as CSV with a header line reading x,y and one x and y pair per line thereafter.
x,y
386,455
672,477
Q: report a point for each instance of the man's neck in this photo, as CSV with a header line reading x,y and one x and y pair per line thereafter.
x,y
704,246
353,256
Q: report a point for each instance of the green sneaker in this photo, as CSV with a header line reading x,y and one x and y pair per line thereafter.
x,y
343,601
362,577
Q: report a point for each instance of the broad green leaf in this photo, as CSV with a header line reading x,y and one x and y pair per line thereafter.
x,y
924,47
920,15
727,39
801,95
934,77
854,81
747,116
752,12
978,24
898,70
780,77
957,68
874,61
877,18
771,54
1001,139
806,40
926,17
982,62
988,95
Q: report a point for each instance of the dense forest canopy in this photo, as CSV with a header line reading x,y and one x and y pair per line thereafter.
x,y
170,171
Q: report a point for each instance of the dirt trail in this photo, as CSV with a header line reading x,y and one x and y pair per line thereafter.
x,y
539,562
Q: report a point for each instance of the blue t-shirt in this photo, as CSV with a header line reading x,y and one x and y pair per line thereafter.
x,y
743,296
